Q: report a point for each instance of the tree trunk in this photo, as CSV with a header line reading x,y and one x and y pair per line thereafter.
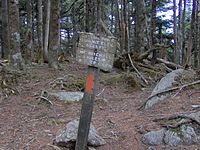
x,y
29,35
120,25
183,32
198,31
179,32
74,31
15,56
116,18
112,16
126,33
46,33
98,15
140,26
54,36
190,40
5,29
40,31
89,15
176,51
195,33
153,30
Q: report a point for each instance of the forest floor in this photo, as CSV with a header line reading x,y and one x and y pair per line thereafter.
x,y
27,125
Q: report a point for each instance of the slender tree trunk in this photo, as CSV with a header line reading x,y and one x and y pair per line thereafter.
x,y
34,32
54,36
40,31
153,30
140,26
46,33
125,17
180,28
29,35
123,26
112,16
15,55
117,18
195,33
89,15
198,28
190,40
176,51
85,15
74,30
131,16
98,15
5,29
120,24
183,32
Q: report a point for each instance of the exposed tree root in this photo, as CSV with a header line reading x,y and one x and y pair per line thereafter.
x,y
177,120
44,97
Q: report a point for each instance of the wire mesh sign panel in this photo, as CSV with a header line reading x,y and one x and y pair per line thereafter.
x,y
96,50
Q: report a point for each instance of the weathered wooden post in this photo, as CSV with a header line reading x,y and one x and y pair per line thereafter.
x,y
98,53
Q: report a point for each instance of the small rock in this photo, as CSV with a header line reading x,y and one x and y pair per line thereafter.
x,y
91,148
68,96
172,139
69,135
189,136
154,137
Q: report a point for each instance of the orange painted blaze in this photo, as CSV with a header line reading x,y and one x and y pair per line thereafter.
x,y
89,83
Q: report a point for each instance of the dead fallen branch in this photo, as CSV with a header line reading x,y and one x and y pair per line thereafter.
x,y
185,118
194,116
146,53
146,82
176,88
169,64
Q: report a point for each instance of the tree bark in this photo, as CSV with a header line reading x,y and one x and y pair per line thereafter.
x,y
179,32
183,32
89,15
195,33
74,31
15,56
190,40
46,33
140,26
29,35
5,30
40,31
153,30
54,36
198,31
126,33
176,51
112,16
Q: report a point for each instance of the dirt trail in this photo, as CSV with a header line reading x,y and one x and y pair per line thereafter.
x,y
25,125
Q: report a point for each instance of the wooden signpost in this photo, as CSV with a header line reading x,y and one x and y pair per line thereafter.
x,y
98,53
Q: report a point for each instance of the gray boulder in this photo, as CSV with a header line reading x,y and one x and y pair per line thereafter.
x,y
189,135
68,96
69,135
165,83
154,137
171,138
